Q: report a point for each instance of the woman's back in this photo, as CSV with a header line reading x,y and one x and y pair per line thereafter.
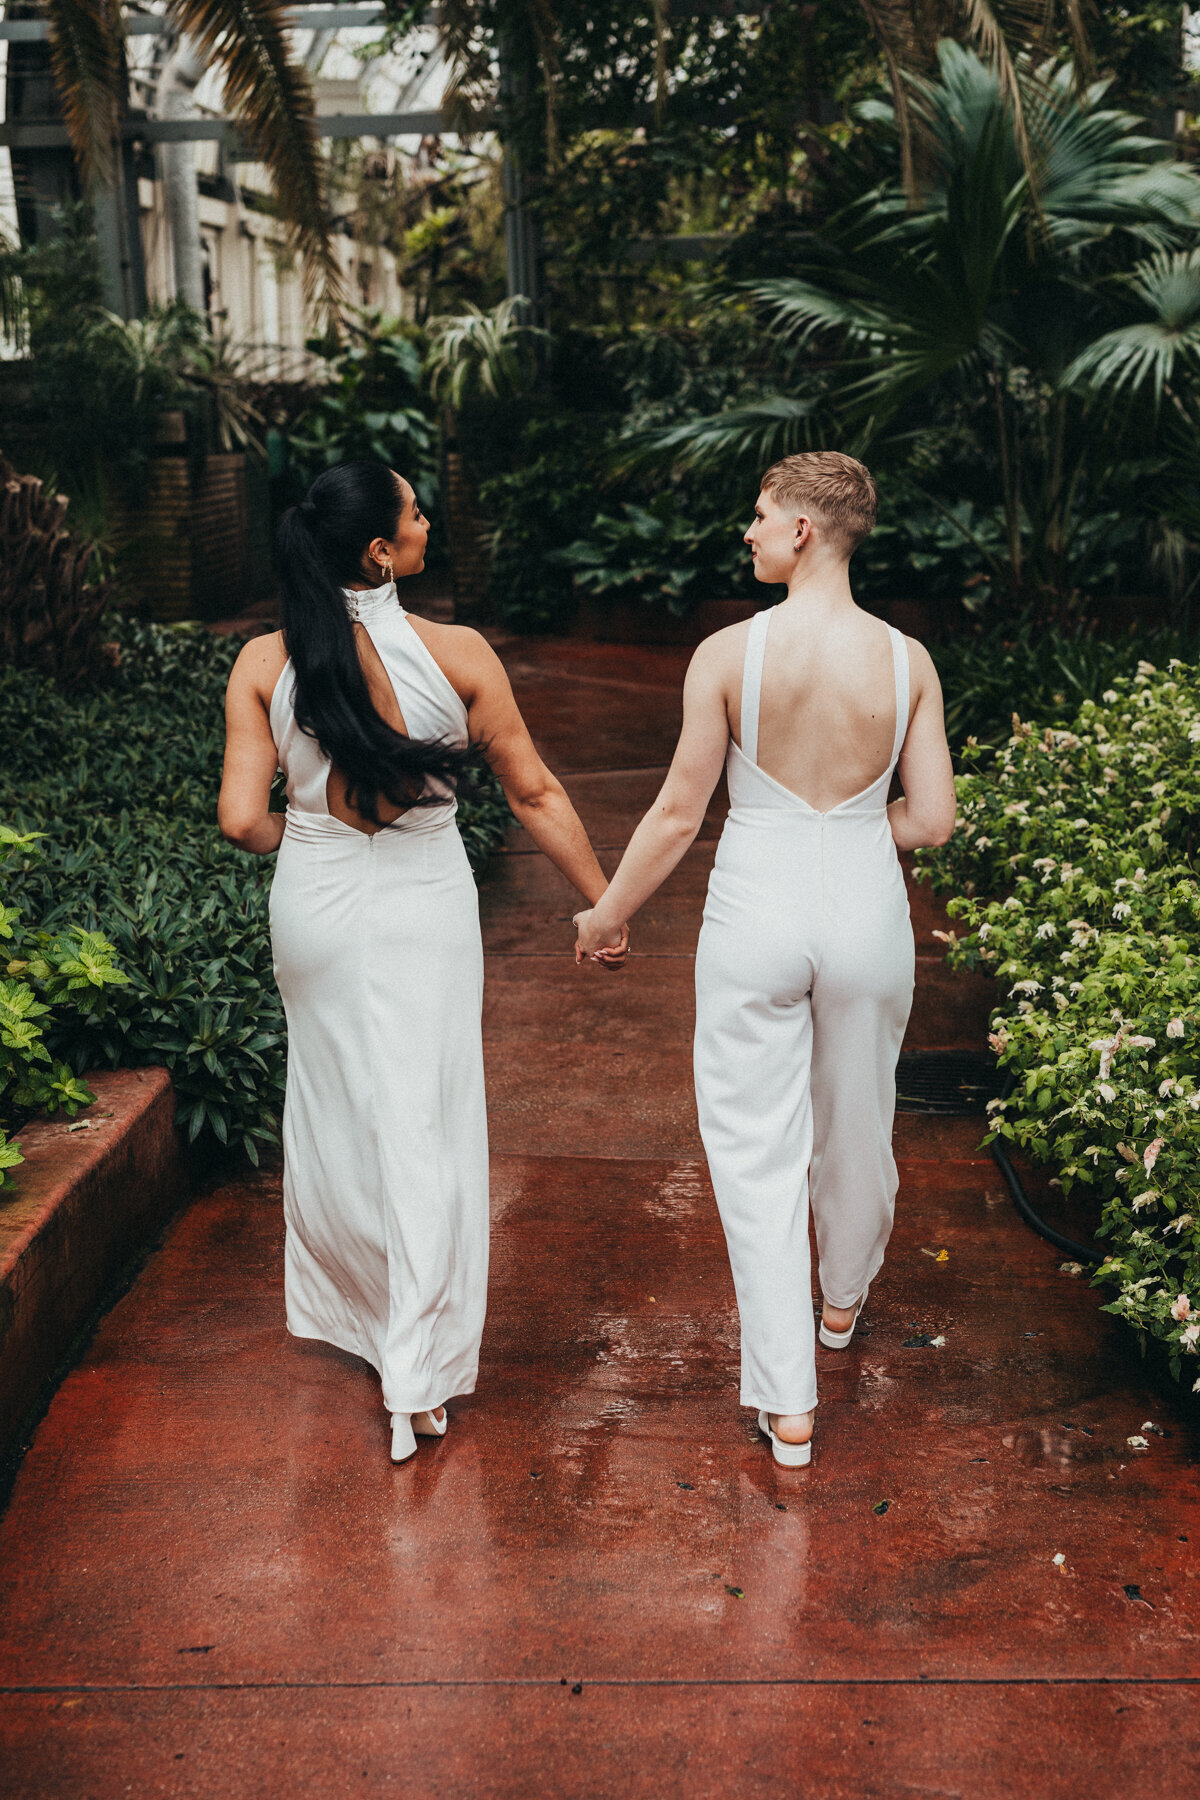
x,y
827,707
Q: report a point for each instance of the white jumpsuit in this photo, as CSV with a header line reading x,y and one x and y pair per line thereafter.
x,y
804,981
380,965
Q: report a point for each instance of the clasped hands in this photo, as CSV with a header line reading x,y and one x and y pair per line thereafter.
x,y
596,943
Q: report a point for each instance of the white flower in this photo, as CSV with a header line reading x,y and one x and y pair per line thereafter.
x,y
1149,1198
1174,1028
1137,1442
1106,1092
998,1041
1082,824
1042,862
1141,1043
1181,1308
1058,1559
1194,733
1016,809
1045,929
1109,696
1190,1333
1164,1087
1196,1385
1158,789
1027,986
983,843
1146,668
1121,910
1061,1002
984,932
1150,1154
1012,904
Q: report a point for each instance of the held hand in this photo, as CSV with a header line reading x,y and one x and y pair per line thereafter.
x,y
593,945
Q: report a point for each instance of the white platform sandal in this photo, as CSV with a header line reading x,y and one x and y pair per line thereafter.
x,y
404,1443
788,1456
839,1340
425,1424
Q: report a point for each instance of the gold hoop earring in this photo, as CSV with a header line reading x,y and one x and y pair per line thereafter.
x,y
386,567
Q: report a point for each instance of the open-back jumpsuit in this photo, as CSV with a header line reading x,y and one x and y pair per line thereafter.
x,y
804,982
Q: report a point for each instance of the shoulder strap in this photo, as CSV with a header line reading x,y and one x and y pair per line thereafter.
x,y
900,666
752,668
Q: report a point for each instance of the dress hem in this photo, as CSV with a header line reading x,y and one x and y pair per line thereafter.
x,y
459,1391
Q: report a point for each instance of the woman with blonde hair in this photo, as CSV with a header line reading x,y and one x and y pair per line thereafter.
x,y
804,968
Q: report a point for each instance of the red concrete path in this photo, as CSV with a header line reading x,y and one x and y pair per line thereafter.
x,y
215,1584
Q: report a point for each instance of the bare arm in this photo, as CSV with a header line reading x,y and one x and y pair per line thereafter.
x,y
670,826
535,795
927,812
243,810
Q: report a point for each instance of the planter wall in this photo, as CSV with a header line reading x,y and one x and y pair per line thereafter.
x,y
87,1198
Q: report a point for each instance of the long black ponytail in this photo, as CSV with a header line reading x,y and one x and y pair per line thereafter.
x,y
320,548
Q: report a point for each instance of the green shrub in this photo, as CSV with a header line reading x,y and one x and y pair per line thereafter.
x,y
49,982
124,784
989,671
1072,870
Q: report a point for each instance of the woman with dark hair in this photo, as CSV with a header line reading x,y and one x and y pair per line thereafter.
x,y
371,715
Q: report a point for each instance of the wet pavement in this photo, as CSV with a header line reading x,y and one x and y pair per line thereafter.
x,y
213,1582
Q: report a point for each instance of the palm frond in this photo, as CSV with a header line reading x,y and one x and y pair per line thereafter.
x,y
891,22
270,97
755,434
985,30
1148,352
87,60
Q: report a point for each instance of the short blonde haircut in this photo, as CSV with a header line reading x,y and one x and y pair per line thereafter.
x,y
840,491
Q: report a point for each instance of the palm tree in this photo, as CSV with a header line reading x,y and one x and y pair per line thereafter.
x,y
998,282
909,33
267,93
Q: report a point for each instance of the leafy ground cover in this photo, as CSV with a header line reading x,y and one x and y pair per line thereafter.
x,y
123,783
1072,869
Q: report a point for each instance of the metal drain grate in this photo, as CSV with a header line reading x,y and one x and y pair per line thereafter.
x,y
945,1081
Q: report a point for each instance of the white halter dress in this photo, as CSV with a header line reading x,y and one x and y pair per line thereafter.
x,y
804,982
380,966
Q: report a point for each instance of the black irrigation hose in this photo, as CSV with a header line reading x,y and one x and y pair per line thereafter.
x,y
1020,1198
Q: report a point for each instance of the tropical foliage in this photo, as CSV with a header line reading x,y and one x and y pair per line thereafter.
x,y
1051,308
266,91
1072,871
51,983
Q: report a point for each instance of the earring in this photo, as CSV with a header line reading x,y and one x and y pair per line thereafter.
x,y
387,570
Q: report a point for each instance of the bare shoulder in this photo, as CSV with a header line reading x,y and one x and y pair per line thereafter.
x,y
463,655
720,656
921,667
261,661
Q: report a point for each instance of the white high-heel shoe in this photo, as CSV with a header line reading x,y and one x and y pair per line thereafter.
x,y
404,1443
425,1424
788,1456
839,1340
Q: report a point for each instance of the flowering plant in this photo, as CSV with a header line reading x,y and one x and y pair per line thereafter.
x,y
1072,869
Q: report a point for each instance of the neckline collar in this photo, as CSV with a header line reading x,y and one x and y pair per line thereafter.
x,y
371,603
